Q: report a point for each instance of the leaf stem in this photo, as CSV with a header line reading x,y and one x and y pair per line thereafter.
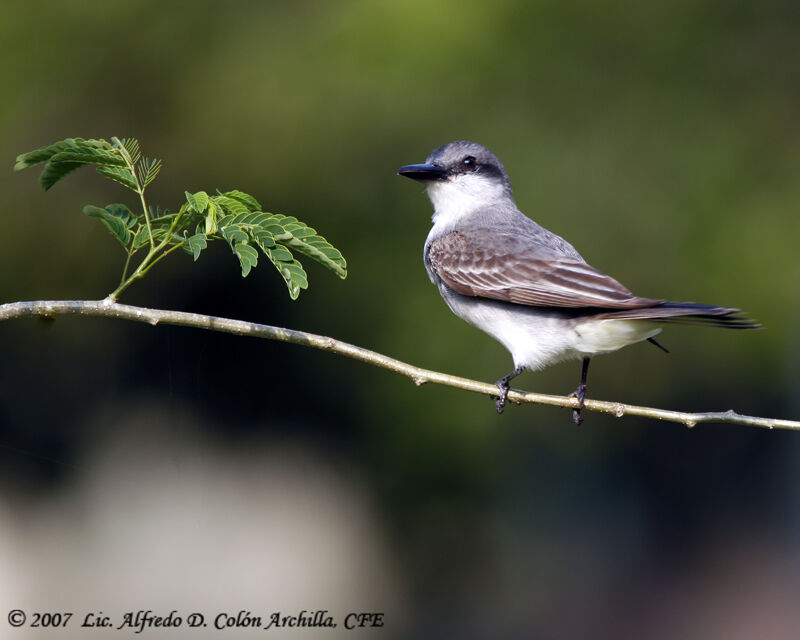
x,y
123,152
127,264
150,260
144,269
140,191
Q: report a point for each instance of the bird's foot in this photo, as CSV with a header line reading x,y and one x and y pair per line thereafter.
x,y
580,394
503,386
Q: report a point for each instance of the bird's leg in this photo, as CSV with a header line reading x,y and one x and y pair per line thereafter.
x,y
580,392
658,344
502,385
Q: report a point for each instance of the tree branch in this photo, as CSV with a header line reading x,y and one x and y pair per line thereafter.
x,y
108,308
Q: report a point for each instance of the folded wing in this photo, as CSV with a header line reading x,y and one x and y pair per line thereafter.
x,y
515,268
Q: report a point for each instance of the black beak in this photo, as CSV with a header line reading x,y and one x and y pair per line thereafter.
x,y
422,172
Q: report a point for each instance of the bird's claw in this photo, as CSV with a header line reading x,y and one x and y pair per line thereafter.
x,y
503,386
580,394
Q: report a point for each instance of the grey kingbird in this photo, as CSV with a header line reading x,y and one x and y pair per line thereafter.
x,y
525,286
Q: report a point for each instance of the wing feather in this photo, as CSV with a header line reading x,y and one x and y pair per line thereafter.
x,y
516,268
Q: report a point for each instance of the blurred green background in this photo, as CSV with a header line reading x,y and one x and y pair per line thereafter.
x,y
171,468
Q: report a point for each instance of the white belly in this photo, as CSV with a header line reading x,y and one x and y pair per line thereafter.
x,y
538,337
605,336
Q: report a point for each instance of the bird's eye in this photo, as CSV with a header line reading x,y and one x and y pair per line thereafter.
x,y
469,163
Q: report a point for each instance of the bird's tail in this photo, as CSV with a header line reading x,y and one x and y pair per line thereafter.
x,y
689,313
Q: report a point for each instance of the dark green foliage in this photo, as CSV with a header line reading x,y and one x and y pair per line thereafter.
x,y
44,154
147,170
117,218
232,216
67,155
195,244
123,176
274,234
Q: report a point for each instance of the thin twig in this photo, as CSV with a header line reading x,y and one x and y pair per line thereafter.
x,y
109,308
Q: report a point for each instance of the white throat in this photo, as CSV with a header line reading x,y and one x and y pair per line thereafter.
x,y
458,197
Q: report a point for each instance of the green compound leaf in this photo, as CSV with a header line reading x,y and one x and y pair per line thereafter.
x,y
131,147
121,175
290,269
117,218
280,254
158,214
304,239
275,235
322,251
123,213
211,225
64,162
195,244
245,198
248,257
234,233
141,238
197,201
231,205
263,238
54,171
235,216
43,154
88,155
147,170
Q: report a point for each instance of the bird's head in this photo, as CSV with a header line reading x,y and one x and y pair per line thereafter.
x,y
460,177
